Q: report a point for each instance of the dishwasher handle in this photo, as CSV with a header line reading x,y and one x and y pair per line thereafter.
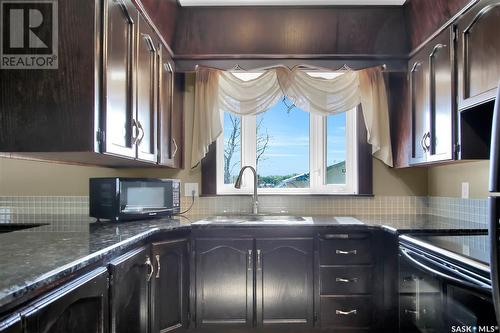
x,y
440,273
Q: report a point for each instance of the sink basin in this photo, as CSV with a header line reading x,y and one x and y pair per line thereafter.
x,y
10,227
255,219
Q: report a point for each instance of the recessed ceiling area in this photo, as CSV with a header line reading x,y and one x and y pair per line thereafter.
x,y
188,3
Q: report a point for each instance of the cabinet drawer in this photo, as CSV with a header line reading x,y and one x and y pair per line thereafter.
x,y
346,311
345,252
345,280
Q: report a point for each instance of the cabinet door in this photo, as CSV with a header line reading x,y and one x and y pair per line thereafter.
x,y
478,54
166,148
284,282
224,282
178,121
146,92
80,306
169,286
11,325
441,105
129,295
118,116
418,78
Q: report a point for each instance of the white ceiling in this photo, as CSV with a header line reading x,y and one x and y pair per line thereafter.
x,y
291,2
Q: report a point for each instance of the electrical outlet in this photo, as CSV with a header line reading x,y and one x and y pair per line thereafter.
x,y
189,188
466,250
465,190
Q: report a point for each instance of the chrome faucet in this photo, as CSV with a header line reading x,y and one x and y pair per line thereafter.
x,y
255,209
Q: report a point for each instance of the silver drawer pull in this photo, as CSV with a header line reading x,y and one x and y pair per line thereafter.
x,y
346,252
346,313
343,280
411,312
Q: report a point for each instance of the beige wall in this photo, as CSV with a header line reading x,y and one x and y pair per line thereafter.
x,y
446,180
387,181
20,177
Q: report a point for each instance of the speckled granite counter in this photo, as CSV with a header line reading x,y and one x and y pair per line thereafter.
x,y
36,257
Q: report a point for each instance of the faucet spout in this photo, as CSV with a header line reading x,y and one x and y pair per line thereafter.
x,y
237,184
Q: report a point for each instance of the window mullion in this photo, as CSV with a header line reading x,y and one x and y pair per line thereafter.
x,y
316,149
249,147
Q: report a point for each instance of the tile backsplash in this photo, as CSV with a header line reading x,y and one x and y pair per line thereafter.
x,y
309,205
474,210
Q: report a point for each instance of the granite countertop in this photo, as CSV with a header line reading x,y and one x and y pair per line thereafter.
x,y
36,257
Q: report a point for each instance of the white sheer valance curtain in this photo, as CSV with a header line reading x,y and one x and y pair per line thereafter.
x,y
219,91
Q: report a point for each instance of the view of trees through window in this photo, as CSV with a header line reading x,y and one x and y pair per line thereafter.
x,y
282,147
232,147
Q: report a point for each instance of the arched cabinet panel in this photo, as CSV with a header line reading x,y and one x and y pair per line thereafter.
x,y
224,282
284,281
478,54
79,307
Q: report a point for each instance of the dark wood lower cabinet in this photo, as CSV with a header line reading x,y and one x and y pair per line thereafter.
x,y
79,307
224,282
11,325
129,291
284,282
169,288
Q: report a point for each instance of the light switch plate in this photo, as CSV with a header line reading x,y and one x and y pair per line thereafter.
x,y
189,188
465,190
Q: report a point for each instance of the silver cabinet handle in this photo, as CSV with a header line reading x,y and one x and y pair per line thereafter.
x,y
135,131
122,5
426,142
346,313
141,129
422,142
150,43
349,280
353,252
249,258
151,268
175,149
259,259
411,312
158,265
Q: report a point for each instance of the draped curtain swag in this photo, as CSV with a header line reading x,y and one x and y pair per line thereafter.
x,y
218,91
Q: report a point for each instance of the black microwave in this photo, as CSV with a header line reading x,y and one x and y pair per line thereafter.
x,y
121,199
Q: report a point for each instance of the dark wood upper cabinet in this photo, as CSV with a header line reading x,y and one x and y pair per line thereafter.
x,y
418,104
170,285
80,307
284,282
177,125
430,76
119,108
147,92
129,291
100,106
478,54
224,282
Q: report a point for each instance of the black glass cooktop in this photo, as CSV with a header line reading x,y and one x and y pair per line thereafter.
x,y
476,247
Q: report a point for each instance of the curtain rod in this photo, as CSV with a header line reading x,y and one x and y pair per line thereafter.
x,y
344,67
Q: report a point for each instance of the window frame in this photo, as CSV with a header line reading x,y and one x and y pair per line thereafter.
x,y
317,158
